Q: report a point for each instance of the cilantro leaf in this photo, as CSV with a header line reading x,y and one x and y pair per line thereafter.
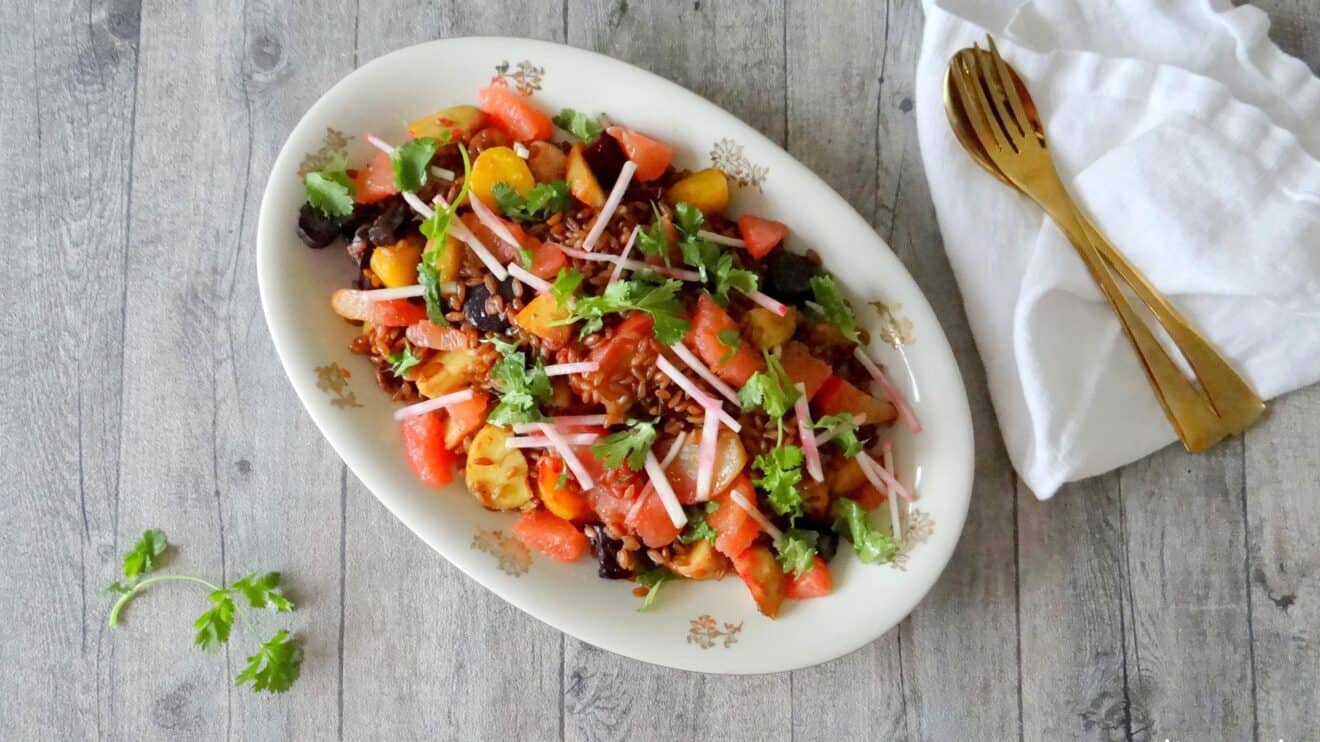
x,y
725,277
715,265
412,162
566,283
521,389
586,128
263,591
730,339
142,557
429,278
436,231
629,445
689,219
330,192
436,227
213,626
652,240
275,666
770,389
781,470
846,438
697,527
660,300
836,308
403,360
540,202
797,550
654,578
872,545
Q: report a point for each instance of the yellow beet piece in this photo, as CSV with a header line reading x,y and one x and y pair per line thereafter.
x,y
499,165
707,190
396,265
454,124
539,318
447,371
769,330
450,259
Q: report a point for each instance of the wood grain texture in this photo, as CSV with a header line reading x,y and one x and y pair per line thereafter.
x,y
1179,597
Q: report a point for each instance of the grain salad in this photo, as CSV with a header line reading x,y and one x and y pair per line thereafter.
x,y
578,329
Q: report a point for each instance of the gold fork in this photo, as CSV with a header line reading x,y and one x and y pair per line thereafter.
x,y
995,119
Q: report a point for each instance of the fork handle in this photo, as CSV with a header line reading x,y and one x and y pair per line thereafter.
x,y
1188,411
1235,401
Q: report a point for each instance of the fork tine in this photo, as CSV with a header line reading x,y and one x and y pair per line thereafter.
x,y
995,91
1014,100
978,109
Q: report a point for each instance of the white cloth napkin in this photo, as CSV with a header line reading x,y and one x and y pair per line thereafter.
x,y
1194,143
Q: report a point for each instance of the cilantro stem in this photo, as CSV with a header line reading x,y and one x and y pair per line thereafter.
x,y
123,599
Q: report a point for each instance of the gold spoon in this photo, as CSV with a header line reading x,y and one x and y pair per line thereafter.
x,y
1223,404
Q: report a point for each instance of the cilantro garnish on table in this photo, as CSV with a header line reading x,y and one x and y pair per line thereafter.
x,y
872,545
541,201
797,550
521,389
660,300
277,662
836,309
586,128
630,445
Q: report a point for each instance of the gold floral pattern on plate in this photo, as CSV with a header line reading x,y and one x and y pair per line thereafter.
x,y
917,528
333,154
705,632
524,77
333,380
728,156
514,559
895,327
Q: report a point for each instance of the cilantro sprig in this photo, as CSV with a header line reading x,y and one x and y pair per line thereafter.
x,y
834,306
521,389
630,446
543,200
781,471
698,528
412,162
714,265
586,128
403,360
565,285
872,545
730,339
278,661
654,579
797,550
329,191
436,230
660,300
771,390
846,439
653,240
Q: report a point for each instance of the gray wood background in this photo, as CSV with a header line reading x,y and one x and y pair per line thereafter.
x,y
1177,598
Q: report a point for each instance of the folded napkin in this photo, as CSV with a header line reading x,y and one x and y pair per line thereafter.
x,y
1194,143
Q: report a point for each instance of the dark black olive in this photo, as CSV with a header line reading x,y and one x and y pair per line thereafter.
x,y
827,541
316,229
385,227
606,158
474,306
788,276
606,550
362,214
506,288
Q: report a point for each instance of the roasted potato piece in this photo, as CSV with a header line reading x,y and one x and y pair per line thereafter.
x,y
769,330
700,562
496,474
448,371
846,478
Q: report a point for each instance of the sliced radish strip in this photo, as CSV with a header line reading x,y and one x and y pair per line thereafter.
x,y
665,491
710,433
670,455
443,173
720,239
461,231
809,449
905,412
564,422
378,143
887,456
777,307
881,479
421,408
495,224
705,400
832,433
756,514
538,284
564,369
402,292
541,441
681,274
418,205
567,454
623,256
705,373
611,204
521,150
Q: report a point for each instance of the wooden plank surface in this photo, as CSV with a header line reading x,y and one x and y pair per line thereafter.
x,y
1178,598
